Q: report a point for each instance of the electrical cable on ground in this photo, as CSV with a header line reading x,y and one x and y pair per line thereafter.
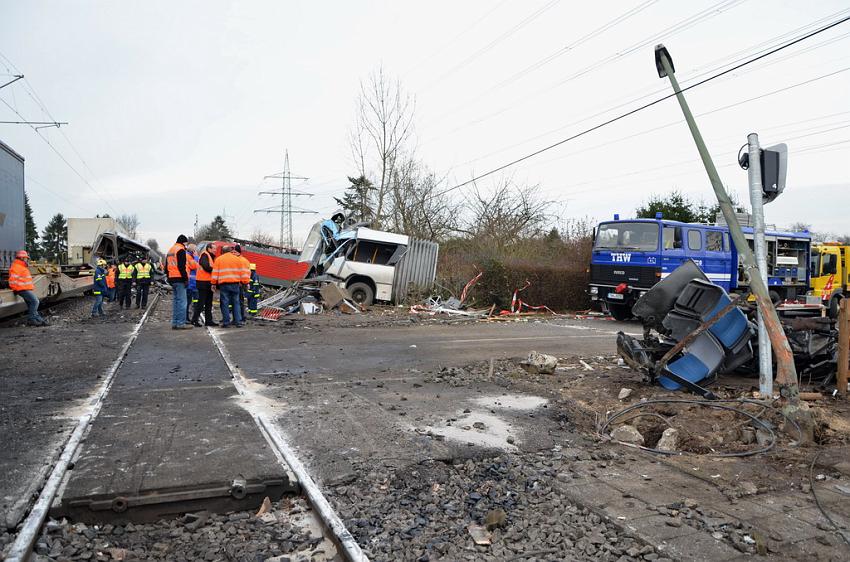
x,y
838,529
644,106
715,404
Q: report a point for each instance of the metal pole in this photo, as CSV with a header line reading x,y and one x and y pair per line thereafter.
x,y
786,371
757,202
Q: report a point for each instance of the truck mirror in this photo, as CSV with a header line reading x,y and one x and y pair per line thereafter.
x,y
774,168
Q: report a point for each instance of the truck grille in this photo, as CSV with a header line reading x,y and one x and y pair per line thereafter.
x,y
635,275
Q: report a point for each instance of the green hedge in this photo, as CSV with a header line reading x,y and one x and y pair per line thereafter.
x,y
559,288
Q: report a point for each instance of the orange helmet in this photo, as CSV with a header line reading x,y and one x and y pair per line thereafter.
x,y
22,255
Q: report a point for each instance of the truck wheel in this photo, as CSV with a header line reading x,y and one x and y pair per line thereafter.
x,y
834,303
361,293
620,312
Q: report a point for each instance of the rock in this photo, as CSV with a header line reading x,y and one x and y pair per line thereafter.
x,y
479,425
669,440
624,393
495,518
763,438
690,503
749,488
539,363
627,434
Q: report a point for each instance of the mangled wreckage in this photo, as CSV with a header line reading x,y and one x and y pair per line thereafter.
x,y
693,331
366,265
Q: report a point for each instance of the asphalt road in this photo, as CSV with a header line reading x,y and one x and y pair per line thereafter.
x,y
346,396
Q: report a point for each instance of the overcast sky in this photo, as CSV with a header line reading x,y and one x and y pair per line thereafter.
x,y
179,108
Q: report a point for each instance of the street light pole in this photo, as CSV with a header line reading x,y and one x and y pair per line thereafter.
x,y
760,246
786,371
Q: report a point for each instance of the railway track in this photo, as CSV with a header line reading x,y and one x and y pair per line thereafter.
x,y
32,529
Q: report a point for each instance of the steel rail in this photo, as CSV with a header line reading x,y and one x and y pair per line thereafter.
x,y
29,529
341,535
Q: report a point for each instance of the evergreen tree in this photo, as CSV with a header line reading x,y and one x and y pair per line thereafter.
x,y
31,230
356,200
54,239
216,230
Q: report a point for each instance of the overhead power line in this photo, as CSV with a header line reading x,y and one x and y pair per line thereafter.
x,y
666,33
537,13
645,106
62,157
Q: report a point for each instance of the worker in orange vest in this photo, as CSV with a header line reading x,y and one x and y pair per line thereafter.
x,y
111,273
203,278
228,275
178,278
243,290
21,283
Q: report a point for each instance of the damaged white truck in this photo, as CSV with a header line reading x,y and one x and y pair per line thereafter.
x,y
373,265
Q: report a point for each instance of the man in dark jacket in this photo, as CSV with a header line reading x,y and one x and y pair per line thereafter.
x,y
178,277
204,287
99,290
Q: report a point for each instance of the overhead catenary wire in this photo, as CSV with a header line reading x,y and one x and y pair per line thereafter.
x,y
527,20
632,100
644,106
65,160
666,33
551,57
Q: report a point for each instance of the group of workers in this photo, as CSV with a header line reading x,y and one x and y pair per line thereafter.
x,y
199,276
114,282
193,277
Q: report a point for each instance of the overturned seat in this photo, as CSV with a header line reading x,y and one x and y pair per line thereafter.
x,y
700,361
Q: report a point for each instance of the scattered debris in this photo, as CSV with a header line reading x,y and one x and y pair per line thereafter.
x,y
539,363
624,393
480,534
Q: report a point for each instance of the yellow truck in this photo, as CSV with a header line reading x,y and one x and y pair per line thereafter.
x,y
830,261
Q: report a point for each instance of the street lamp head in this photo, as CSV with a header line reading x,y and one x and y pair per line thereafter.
x,y
661,51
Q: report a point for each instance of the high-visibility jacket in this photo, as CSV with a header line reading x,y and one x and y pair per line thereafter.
x,y
99,281
20,278
229,268
254,289
110,277
143,271
205,262
125,272
172,262
246,263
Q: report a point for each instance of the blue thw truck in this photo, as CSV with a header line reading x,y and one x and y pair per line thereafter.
x,y
630,256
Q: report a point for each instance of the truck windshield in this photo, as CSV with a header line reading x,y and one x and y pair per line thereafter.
x,y
627,236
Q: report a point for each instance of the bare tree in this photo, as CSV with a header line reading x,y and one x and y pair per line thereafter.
x,y
505,213
152,244
262,237
416,204
384,123
130,223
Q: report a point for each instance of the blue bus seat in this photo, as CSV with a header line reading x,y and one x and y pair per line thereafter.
x,y
702,301
701,360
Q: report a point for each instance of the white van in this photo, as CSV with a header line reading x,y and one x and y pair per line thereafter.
x,y
372,265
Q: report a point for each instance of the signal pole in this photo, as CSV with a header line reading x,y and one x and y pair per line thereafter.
x,y
285,208
760,246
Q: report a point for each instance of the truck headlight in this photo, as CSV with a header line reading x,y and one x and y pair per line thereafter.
x,y
594,290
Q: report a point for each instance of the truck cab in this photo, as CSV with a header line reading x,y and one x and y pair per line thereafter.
x,y
830,276
630,256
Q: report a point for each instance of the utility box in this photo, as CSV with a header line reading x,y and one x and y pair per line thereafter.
x,y
12,216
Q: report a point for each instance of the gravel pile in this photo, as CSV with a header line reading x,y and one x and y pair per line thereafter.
x,y
285,533
431,511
